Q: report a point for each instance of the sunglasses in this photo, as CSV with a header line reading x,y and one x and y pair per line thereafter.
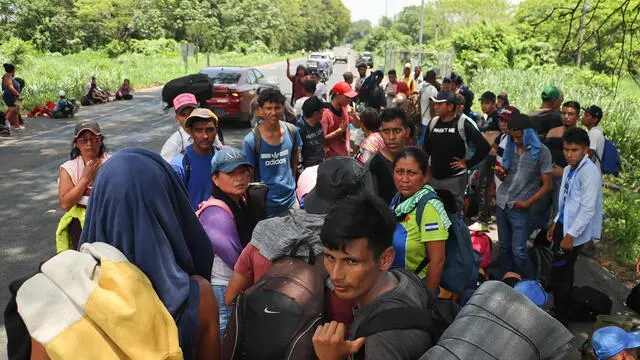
x,y
93,139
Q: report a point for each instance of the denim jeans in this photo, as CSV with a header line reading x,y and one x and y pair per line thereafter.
x,y
513,234
485,180
224,311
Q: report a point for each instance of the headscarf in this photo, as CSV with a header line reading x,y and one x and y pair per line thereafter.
x,y
531,142
139,206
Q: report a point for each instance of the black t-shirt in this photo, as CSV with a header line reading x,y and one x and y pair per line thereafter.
x,y
556,147
545,120
312,143
382,172
444,143
492,123
376,98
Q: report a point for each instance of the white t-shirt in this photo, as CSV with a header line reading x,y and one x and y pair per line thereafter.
x,y
297,107
596,141
177,142
75,169
321,89
427,92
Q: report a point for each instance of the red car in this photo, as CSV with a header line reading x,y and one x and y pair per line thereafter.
x,y
234,89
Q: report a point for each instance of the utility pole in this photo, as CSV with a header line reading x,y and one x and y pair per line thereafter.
x,y
421,34
581,33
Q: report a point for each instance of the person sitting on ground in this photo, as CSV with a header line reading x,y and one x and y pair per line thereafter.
x,y
65,107
418,236
193,166
140,207
394,130
227,220
95,95
579,218
309,90
76,181
358,254
373,142
124,92
613,343
177,143
311,131
273,150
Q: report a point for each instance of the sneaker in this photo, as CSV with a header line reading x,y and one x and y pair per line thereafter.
x,y
479,226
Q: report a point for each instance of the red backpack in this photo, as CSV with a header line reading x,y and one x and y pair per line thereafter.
x,y
481,242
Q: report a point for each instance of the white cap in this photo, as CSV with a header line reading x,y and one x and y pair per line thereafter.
x,y
62,93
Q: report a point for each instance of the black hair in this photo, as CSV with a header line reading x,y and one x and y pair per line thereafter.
x,y
511,281
430,75
390,114
9,67
359,216
75,152
448,200
392,72
572,104
371,119
576,136
347,75
271,95
126,80
456,79
417,154
309,86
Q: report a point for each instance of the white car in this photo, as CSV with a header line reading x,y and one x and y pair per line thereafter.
x,y
316,57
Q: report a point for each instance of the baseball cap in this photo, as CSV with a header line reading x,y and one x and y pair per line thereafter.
x,y
407,65
611,340
488,95
183,101
550,92
343,88
62,93
201,113
313,104
306,181
594,110
533,291
508,112
87,125
337,177
520,122
445,96
228,159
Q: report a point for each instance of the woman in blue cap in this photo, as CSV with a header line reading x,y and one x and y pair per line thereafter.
x,y
227,219
613,343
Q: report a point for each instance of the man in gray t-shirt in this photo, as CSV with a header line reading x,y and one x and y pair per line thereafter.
x,y
526,165
357,238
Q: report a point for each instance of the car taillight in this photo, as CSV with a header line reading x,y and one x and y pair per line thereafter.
x,y
234,94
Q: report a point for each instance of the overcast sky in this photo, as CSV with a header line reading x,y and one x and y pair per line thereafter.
x,y
374,9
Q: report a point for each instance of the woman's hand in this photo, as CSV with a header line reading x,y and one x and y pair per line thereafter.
x,y
91,169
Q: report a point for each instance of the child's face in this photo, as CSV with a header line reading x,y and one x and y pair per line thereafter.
x,y
574,153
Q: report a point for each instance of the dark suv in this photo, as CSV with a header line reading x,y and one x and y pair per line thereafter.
x,y
365,57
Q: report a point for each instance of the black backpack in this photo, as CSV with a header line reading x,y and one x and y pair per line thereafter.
x,y
541,258
276,318
633,300
588,303
200,85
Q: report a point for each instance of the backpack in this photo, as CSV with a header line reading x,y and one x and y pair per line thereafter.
x,y
610,162
541,259
440,313
276,318
200,85
470,148
462,261
587,303
481,243
258,141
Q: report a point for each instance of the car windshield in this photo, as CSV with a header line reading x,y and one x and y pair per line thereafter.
x,y
317,57
365,55
221,76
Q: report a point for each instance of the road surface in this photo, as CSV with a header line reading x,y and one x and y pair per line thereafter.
x,y
29,163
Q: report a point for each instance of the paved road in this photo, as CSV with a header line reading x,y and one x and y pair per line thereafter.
x,y
29,164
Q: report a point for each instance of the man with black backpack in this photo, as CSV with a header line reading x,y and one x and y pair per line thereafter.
x,y
358,254
194,165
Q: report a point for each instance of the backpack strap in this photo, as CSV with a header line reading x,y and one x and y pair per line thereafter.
x,y
213,202
257,137
419,211
186,165
433,123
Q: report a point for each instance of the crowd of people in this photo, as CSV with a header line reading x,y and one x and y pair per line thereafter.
x,y
372,222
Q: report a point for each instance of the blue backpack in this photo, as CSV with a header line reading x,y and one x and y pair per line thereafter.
x,y
610,162
462,261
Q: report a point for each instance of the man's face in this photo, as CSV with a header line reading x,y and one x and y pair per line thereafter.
x,y
574,153
504,125
488,106
394,135
354,271
417,72
362,71
393,79
446,85
342,100
182,116
407,72
443,108
272,112
315,78
203,134
517,137
589,120
570,116
316,117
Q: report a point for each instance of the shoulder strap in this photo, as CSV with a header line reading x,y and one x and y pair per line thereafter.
x,y
213,202
291,131
186,165
463,135
257,137
433,123
419,210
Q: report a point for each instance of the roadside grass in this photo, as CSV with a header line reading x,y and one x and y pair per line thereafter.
x,y
45,76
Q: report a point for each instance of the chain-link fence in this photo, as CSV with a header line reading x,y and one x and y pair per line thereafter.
x,y
441,61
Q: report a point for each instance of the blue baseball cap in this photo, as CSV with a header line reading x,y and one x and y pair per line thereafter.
x,y
533,290
611,340
228,159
